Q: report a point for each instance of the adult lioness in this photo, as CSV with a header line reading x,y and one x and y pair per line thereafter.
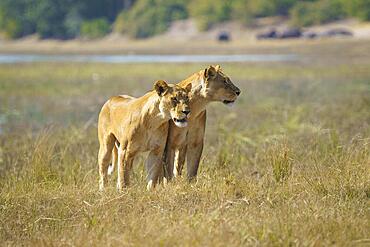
x,y
139,125
209,85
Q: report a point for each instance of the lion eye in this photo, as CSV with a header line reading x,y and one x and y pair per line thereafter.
x,y
174,101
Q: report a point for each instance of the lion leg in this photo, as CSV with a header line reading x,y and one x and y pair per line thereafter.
x,y
193,159
125,161
195,141
154,167
104,157
127,170
179,161
114,159
170,163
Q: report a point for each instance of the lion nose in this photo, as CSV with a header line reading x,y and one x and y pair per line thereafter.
x,y
186,112
237,92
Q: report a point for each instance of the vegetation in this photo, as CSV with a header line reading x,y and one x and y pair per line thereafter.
x,y
54,18
143,18
310,13
96,28
210,12
149,17
288,165
358,8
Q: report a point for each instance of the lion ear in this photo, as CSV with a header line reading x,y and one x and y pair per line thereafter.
x,y
188,87
161,87
218,67
210,72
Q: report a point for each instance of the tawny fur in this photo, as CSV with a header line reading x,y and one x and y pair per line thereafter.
x,y
208,85
138,125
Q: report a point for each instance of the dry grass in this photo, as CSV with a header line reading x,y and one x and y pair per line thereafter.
x,y
289,165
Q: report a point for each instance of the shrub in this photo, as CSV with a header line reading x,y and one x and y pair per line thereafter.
x,y
210,12
72,23
282,7
13,22
149,17
11,28
261,8
52,18
49,18
95,28
302,14
241,12
358,8
329,10
119,24
310,13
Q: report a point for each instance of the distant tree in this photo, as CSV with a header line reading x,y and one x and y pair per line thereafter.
x,y
357,8
302,14
149,17
54,18
49,17
108,9
310,13
282,7
15,19
72,22
240,11
264,8
64,19
210,12
95,28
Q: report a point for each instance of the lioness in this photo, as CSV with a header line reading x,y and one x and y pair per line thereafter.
x,y
209,85
139,125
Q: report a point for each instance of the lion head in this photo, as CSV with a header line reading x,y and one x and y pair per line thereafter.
x,y
218,87
174,102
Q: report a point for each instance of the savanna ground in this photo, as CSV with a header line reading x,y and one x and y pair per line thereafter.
x,y
288,165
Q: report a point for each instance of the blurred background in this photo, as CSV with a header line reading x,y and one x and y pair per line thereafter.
x,y
117,24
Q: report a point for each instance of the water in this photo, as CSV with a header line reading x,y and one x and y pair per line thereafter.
x,y
29,58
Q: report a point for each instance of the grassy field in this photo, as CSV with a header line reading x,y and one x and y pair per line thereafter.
x,y
288,165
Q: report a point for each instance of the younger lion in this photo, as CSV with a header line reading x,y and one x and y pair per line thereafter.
x,y
209,85
139,125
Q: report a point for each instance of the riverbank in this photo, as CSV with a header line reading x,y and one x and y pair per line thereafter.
x,y
335,51
164,46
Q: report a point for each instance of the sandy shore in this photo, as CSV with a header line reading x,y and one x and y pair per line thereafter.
x,y
165,46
